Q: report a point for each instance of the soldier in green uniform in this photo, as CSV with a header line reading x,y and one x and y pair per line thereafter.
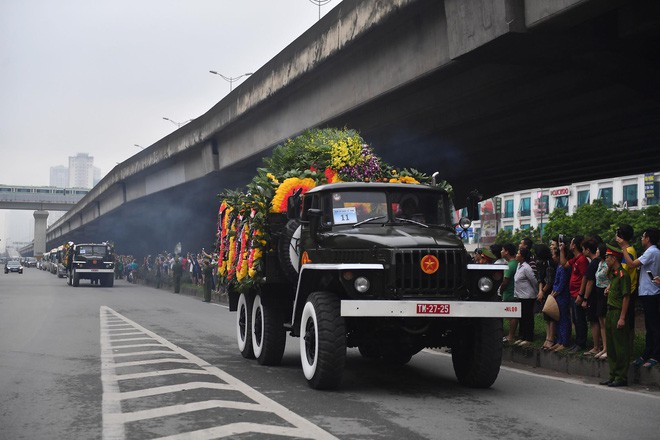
x,y
207,274
177,273
618,333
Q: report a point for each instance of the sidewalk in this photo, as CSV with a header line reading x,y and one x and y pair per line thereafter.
x,y
576,364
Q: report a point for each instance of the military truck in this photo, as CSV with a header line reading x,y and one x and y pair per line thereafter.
x,y
377,266
90,261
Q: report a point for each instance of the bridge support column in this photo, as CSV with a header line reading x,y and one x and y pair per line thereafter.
x,y
40,224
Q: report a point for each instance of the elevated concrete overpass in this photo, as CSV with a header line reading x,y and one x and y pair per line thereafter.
x,y
495,95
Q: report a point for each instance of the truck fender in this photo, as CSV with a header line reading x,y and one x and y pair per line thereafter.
x,y
311,279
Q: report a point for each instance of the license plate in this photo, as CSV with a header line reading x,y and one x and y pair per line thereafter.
x,y
433,309
95,270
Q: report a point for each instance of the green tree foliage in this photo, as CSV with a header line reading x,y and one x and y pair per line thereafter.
x,y
589,220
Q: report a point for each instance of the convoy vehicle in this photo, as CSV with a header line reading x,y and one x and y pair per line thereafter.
x,y
377,266
331,245
91,261
13,266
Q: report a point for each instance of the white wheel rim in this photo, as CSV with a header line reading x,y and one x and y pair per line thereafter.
x,y
308,368
242,312
257,342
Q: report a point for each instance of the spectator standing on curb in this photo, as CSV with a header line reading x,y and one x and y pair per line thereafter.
x,y
590,299
506,288
618,333
528,244
649,293
525,291
207,277
601,283
578,265
562,296
627,233
177,273
547,268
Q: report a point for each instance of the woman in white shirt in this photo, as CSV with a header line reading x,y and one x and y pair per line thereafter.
x,y
525,290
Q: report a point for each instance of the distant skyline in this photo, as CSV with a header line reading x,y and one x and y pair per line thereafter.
x,y
100,76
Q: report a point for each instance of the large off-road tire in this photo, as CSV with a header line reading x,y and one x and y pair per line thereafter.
x,y
322,341
268,333
477,352
288,250
244,326
75,281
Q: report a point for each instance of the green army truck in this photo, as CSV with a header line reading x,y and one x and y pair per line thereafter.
x,y
373,266
90,261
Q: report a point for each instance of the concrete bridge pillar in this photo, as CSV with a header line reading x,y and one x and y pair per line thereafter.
x,y
40,224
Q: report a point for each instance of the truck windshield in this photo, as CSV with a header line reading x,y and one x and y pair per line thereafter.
x,y
433,208
92,250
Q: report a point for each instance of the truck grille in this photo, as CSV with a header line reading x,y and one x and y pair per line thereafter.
x,y
410,280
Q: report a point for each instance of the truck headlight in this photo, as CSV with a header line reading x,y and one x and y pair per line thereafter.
x,y
361,284
485,284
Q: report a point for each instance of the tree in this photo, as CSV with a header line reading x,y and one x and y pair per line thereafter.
x,y
590,220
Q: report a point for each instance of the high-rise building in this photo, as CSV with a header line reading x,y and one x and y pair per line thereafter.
x,y
81,171
59,176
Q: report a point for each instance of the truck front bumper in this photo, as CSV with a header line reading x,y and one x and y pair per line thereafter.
x,y
429,309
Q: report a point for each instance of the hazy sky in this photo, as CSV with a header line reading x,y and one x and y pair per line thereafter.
x,y
98,76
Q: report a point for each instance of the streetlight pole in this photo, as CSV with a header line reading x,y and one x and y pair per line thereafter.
x,y
178,124
320,3
230,79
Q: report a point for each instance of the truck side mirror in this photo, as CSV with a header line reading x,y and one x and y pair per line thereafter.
x,y
293,204
473,200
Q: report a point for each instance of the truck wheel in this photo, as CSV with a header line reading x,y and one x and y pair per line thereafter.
x,y
268,334
243,327
288,250
110,280
322,341
477,353
76,279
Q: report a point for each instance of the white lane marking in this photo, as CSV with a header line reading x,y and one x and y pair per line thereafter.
x,y
153,361
559,379
114,420
232,430
168,389
173,410
131,339
158,373
125,334
136,345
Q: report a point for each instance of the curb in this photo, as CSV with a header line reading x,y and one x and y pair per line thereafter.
x,y
576,364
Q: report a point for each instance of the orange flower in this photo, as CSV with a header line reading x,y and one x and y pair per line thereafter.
x,y
286,190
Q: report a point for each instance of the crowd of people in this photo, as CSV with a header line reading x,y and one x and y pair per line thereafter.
x,y
582,284
198,269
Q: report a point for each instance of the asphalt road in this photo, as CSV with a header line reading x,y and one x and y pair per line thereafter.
x,y
140,363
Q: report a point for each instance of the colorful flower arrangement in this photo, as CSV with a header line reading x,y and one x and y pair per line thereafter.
x,y
314,158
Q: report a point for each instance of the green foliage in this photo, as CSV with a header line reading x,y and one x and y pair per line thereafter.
x,y
589,220
517,235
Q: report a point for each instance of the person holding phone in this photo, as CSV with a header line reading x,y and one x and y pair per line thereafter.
x,y
649,293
